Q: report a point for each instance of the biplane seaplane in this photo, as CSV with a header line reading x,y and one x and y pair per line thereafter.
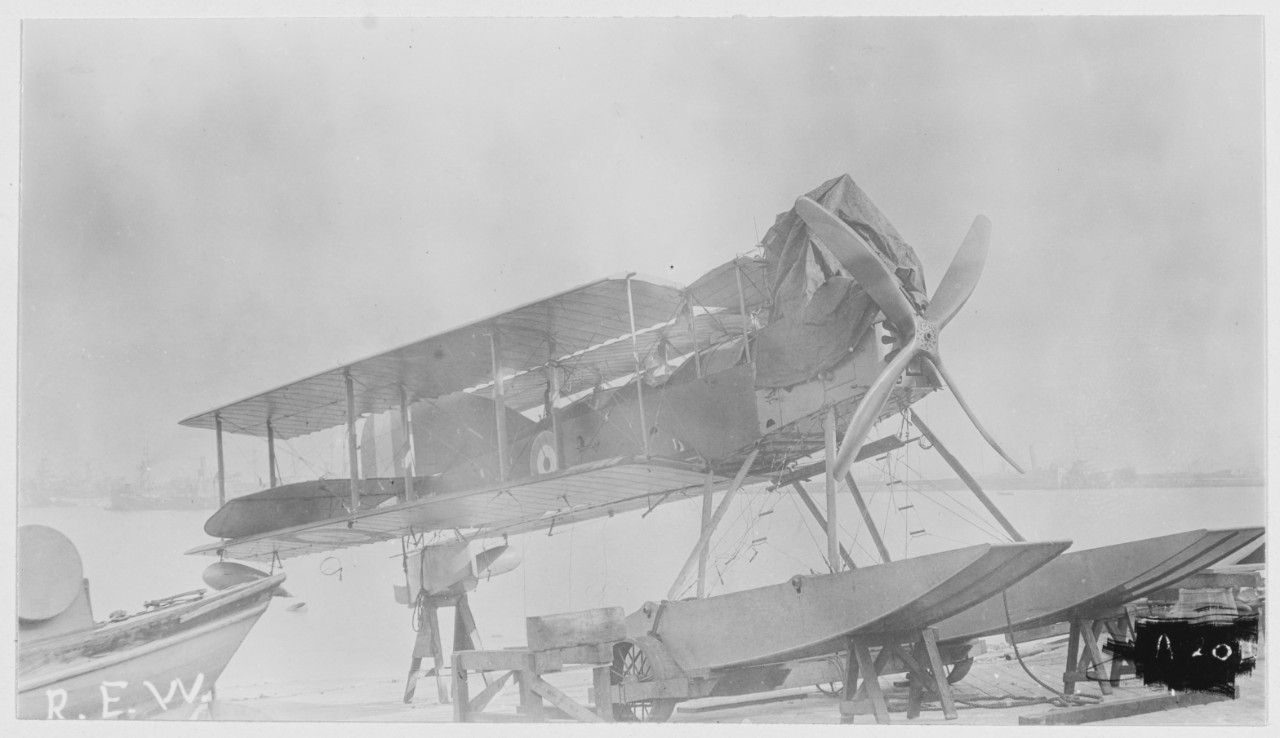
x,y
627,393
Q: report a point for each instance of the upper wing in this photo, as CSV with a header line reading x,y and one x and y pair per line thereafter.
x,y
582,493
530,336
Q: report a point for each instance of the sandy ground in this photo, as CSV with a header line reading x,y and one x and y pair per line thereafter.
x,y
997,691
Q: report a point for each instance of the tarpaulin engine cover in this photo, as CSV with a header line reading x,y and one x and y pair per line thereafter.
x,y
818,311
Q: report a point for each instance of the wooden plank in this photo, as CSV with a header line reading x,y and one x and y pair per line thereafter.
x,y
530,699
461,700
596,654
1073,658
929,637
676,687
1120,708
486,695
746,700
879,708
437,654
601,694
1095,659
561,700
582,628
492,660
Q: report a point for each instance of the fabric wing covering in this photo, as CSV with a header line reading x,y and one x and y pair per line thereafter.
x,y
529,336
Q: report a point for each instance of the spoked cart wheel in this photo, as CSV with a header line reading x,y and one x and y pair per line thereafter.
x,y
958,670
642,659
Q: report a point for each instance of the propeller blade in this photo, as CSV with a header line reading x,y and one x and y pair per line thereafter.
x,y
962,276
955,390
857,256
869,407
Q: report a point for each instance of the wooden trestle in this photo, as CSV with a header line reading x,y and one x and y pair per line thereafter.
x,y
918,650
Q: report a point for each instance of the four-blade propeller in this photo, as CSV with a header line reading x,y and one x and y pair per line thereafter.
x,y
917,329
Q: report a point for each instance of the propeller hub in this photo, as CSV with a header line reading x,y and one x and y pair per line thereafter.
x,y
926,335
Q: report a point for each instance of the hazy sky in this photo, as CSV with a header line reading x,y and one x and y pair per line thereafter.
x,y
214,208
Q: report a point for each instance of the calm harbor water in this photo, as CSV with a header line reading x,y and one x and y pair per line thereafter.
x,y
352,627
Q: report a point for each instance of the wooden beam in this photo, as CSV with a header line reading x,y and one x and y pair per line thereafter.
x,y
560,699
967,478
486,695
353,458
271,454
1120,708
706,521
499,402
833,540
705,538
222,469
858,650
817,514
866,518
929,639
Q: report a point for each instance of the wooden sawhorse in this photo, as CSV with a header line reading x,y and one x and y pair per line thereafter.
x,y
579,638
923,662
527,668
427,643
1084,651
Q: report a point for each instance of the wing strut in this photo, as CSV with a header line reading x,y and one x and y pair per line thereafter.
x,y
222,469
635,350
707,530
833,540
707,492
353,457
967,478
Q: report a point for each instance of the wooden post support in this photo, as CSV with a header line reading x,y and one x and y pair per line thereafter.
x,y
817,514
602,690
271,454
530,700
705,538
222,469
929,640
866,518
967,478
851,689
1073,653
353,457
879,708
833,539
437,654
461,698
408,457
706,522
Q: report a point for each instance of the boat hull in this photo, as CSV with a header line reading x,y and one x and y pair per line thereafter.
x,y
812,615
1080,583
157,664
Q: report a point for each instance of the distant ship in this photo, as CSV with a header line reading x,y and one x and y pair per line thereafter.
x,y
182,494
